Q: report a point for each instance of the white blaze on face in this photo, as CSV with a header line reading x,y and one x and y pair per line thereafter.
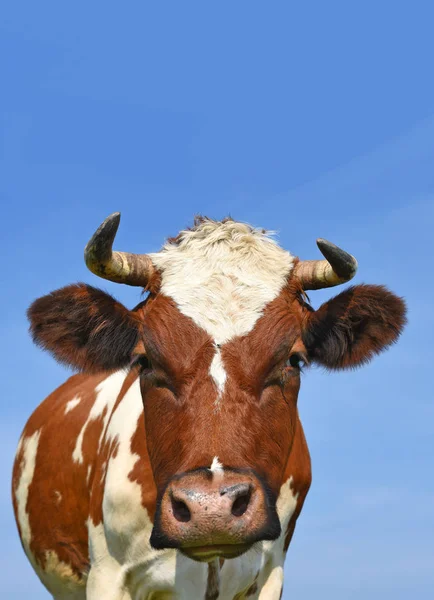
x,y
222,275
218,373
216,465
217,469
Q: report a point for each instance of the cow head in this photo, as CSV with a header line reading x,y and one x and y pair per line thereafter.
x,y
219,343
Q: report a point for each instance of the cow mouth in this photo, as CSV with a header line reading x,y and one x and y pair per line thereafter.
x,y
208,553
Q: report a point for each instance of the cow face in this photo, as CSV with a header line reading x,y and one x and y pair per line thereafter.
x,y
220,416
219,346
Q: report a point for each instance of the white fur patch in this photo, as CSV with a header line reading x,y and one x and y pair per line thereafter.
x,y
106,394
122,497
273,586
285,506
222,275
273,552
60,579
29,447
72,404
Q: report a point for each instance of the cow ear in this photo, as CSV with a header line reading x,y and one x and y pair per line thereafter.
x,y
348,330
84,328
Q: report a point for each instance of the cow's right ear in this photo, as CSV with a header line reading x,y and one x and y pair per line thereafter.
x,y
84,328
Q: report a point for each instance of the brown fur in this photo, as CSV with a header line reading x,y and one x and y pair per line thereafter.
x,y
84,327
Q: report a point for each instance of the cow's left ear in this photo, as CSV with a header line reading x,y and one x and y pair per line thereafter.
x,y
348,330
84,328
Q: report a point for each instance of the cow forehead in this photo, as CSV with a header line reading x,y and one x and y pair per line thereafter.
x,y
222,275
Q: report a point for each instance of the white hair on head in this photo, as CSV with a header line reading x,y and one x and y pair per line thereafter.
x,y
222,274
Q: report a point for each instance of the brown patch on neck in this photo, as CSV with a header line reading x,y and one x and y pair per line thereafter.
x,y
253,588
213,581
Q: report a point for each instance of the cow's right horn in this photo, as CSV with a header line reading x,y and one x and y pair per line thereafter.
x,y
120,267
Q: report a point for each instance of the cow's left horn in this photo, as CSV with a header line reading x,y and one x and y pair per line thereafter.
x,y
121,267
338,267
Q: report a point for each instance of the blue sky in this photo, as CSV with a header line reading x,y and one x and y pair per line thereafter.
x,y
314,119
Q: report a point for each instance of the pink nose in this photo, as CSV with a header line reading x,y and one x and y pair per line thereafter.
x,y
226,503
209,514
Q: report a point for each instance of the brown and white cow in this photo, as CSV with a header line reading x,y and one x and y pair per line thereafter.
x,y
175,465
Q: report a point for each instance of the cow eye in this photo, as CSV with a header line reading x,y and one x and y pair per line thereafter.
x,y
296,361
143,362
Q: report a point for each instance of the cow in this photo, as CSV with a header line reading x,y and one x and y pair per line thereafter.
x,y
174,463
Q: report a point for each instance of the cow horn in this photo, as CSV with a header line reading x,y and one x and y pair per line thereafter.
x,y
120,267
338,267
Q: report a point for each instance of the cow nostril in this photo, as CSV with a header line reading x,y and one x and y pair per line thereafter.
x,y
181,512
241,504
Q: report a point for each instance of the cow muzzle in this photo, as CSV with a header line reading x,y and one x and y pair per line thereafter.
x,y
209,514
